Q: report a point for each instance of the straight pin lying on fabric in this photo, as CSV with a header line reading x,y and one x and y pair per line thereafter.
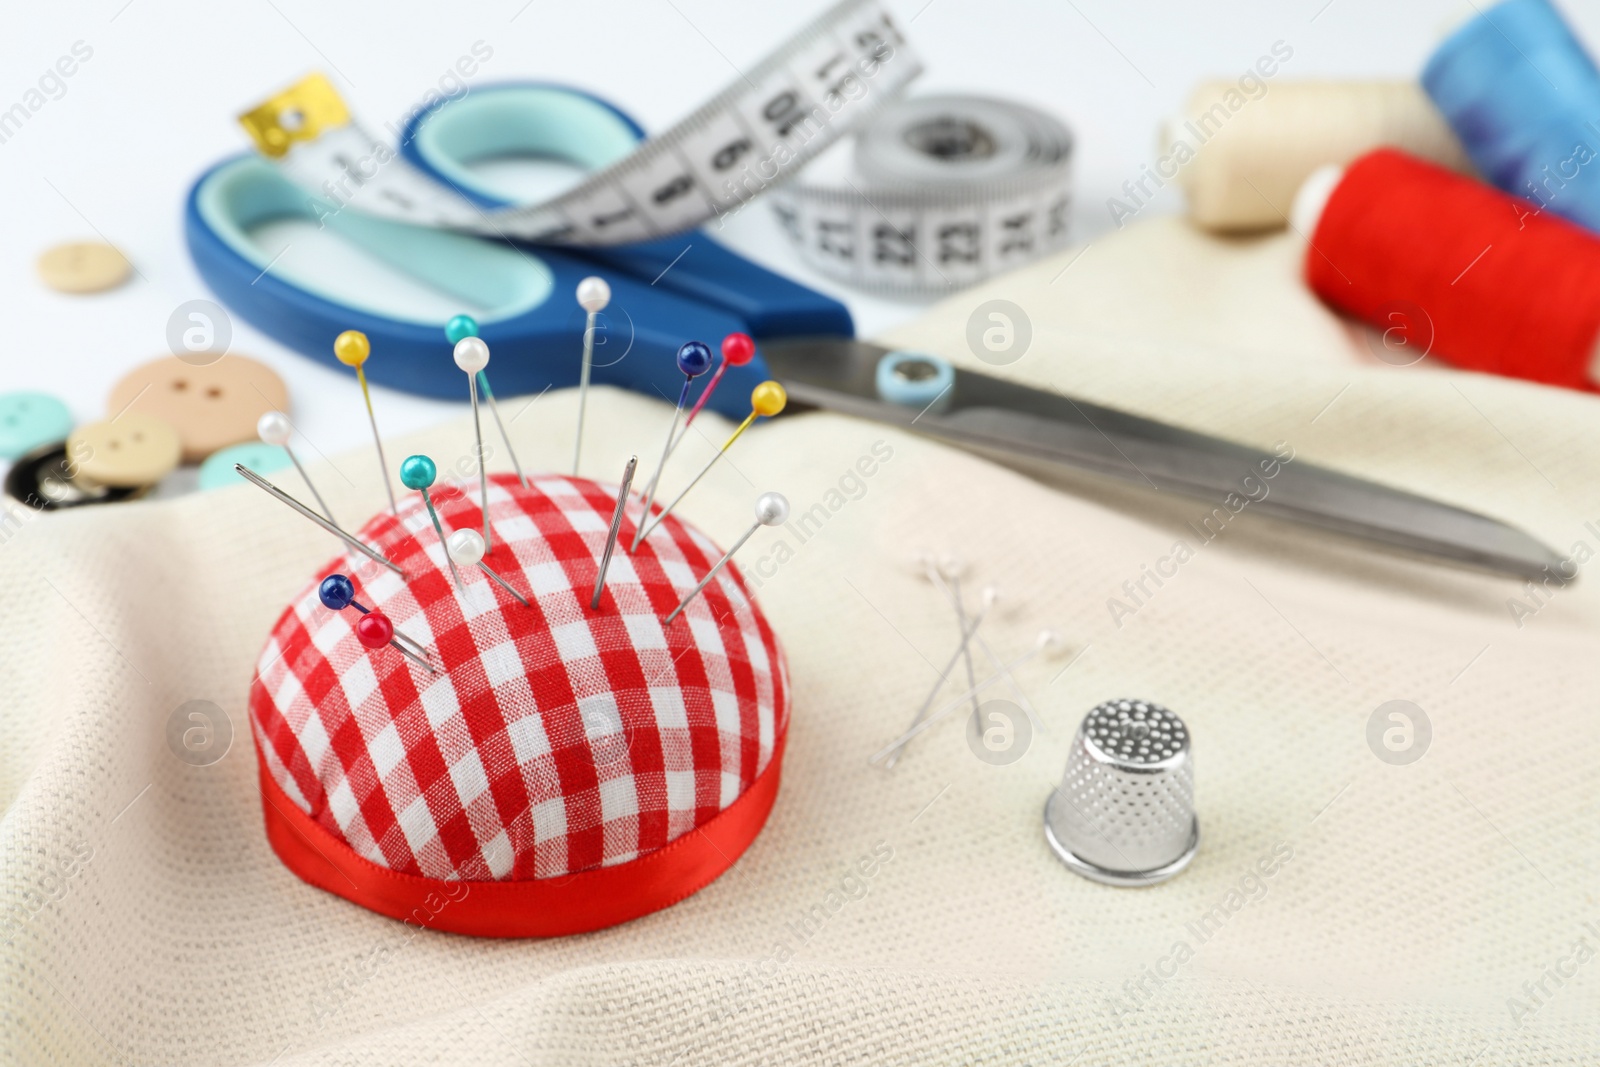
x,y
466,326
466,547
768,399
352,349
772,509
611,537
593,296
338,592
472,356
419,472
274,428
693,359
251,476
1047,639
990,595
952,566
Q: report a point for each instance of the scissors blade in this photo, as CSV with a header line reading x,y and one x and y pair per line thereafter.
x,y
1010,420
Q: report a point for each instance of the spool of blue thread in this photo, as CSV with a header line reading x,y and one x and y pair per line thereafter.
x,y
1523,96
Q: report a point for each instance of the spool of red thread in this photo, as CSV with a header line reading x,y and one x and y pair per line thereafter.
x,y
1447,266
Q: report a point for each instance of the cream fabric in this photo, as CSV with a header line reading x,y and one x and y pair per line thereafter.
x,y
147,921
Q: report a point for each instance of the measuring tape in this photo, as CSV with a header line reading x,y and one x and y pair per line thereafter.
x,y
947,191
788,108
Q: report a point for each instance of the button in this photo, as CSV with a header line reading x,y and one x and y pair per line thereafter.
x,y
83,267
29,421
43,480
135,450
211,407
217,471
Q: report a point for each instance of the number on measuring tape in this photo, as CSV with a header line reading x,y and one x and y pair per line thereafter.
x,y
833,74
910,224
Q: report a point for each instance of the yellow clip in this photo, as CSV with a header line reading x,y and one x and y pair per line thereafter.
x,y
299,113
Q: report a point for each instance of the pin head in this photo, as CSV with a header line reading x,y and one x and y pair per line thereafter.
x,y
352,348
374,630
472,355
772,509
738,349
274,428
465,547
336,592
768,398
694,358
459,327
593,294
417,472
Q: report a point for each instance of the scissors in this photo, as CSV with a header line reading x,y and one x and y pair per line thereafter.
x,y
670,290
1026,427
664,292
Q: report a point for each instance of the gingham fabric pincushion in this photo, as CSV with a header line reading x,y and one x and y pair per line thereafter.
x,y
565,769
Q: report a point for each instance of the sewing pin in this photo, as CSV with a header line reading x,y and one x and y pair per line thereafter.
x,y
694,358
616,527
338,592
472,355
466,547
274,429
593,295
374,630
352,349
737,350
990,595
768,398
772,509
1046,639
418,472
952,566
251,476
466,326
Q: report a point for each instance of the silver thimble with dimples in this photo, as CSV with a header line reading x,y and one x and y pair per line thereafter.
x,y
1124,813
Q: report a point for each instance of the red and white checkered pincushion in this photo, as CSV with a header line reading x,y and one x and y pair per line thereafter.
x,y
554,741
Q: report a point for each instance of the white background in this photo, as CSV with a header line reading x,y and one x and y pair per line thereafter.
x,y
115,155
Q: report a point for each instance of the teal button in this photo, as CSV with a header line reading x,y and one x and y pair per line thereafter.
x,y
217,470
29,421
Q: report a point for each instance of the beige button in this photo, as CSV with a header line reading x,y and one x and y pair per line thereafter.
x,y
137,449
83,267
211,407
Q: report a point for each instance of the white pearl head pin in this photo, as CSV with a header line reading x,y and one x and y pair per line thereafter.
x,y
274,428
772,509
593,294
472,355
465,547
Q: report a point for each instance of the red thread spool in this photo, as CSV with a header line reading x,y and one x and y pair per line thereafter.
x,y
1499,287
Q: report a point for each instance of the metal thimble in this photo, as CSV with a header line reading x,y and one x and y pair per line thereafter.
x,y
1124,813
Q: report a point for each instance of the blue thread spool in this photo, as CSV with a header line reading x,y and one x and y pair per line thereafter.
x,y
1524,97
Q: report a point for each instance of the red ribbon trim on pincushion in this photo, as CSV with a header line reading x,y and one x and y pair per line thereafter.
x,y
542,907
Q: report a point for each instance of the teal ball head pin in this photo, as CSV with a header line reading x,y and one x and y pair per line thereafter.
x,y
418,472
460,327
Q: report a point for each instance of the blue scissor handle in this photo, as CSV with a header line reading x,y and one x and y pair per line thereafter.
x,y
538,119
535,333
523,296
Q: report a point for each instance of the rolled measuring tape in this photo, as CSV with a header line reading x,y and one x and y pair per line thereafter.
x,y
835,72
946,191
